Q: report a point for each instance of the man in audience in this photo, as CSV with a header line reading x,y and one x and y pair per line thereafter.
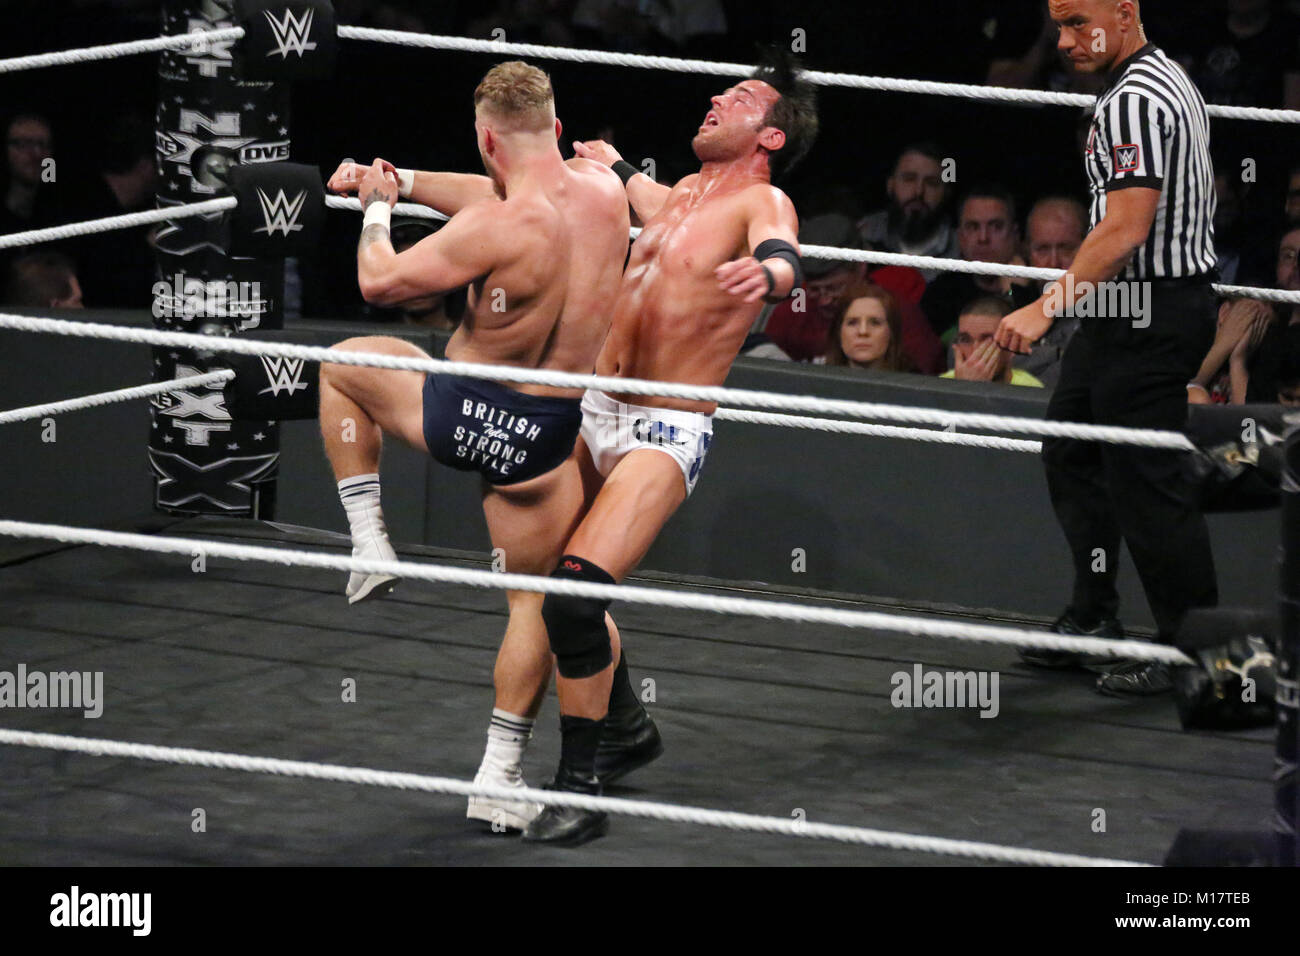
x,y
976,357
915,221
1056,227
987,231
28,201
42,279
117,268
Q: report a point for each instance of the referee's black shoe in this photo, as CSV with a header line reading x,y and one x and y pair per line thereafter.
x,y
568,826
1068,624
628,742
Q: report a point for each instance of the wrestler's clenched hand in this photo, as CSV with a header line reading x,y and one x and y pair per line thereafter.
x,y
743,277
347,178
597,149
379,184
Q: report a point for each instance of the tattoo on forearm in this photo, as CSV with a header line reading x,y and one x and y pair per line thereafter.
x,y
370,235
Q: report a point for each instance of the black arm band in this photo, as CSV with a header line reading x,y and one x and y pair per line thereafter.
x,y
780,249
625,170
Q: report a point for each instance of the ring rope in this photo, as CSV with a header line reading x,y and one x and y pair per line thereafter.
x,y
416,211
200,39
128,220
634,594
667,812
1110,434
878,431
109,398
999,94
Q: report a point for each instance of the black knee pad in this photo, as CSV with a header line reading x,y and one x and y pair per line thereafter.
x,y
576,625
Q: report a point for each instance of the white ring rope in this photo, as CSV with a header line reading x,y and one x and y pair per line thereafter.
x,y
416,211
817,77
1110,434
199,42
120,395
878,431
667,812
634,594
125,221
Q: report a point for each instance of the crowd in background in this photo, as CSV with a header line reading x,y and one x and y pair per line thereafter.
x,y
925,201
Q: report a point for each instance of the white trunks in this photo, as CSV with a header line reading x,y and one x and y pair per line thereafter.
x,y
611,429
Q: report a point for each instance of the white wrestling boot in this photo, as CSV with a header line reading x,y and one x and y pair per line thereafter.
x,y
502,814
364,587
360,497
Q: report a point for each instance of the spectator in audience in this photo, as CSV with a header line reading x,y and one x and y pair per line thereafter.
x,y
1023,46
1249,57
1228,194
976,357
1292,207
988,231
915,221
41,280
117,268
1056,227
868,330
1243,362
1288,373
626,25
29,203
440,312
530,21
799,326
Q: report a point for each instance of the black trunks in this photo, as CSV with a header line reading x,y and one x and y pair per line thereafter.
x,y
506,436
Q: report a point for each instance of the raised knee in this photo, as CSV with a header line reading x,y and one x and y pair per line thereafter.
x,y
576,626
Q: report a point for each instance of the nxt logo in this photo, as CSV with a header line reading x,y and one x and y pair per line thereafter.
x,y
279,213
291,33
284,374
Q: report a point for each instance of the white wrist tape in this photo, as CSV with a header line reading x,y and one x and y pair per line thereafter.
x,y
405,182
378,212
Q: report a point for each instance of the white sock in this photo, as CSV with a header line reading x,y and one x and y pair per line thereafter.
x,y
508,735
360,497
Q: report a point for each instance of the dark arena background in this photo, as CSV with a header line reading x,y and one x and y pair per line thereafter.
x,y
792,722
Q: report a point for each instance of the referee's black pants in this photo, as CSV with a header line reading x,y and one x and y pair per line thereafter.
x,y
1115,374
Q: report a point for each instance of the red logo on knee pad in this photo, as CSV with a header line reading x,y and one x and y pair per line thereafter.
x,y
573,565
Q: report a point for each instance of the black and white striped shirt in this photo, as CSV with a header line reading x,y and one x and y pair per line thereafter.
x,y
1150,128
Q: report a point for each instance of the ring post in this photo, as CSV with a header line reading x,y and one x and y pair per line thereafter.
x,y
210,120
1288,656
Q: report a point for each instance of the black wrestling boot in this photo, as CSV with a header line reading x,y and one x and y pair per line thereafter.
x,y
1067,624
568,826
629,742
1136,679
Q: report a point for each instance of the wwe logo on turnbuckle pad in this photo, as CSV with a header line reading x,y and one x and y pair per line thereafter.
x,y
291,33
284,375
279,213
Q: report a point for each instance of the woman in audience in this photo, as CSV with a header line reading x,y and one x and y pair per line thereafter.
x,y
868,330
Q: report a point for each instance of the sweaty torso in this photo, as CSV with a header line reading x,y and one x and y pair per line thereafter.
x,y
547,304
672,320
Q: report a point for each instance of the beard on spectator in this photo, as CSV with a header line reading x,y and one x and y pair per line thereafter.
x,y
913,222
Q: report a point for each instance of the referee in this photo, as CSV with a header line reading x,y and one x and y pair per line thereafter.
x,y
1150,250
